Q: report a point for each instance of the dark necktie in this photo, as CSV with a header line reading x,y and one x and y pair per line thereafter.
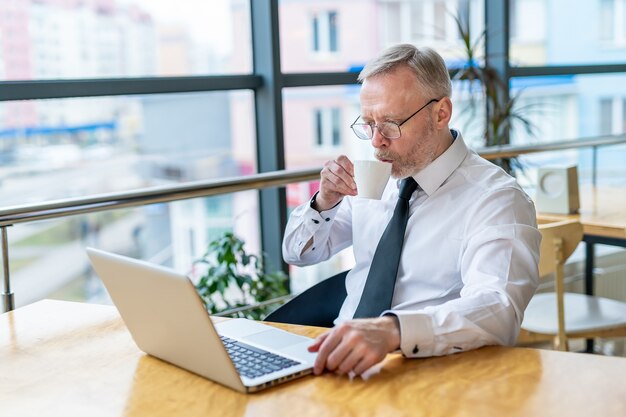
x,y
381,279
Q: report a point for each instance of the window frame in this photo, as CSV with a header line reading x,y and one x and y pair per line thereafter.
x,y
267,81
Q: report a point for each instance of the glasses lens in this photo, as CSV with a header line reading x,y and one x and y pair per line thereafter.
x,y
389,130
362,131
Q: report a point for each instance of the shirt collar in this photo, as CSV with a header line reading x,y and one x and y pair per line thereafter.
x,y
435,173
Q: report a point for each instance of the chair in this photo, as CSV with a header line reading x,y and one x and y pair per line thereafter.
x,y
316,306
561,315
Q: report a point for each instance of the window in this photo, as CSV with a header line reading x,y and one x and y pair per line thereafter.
x,y
123,38
606,22
623,115
325,36
327,127
569,107
431,23
528,20
613,21
317,122
422,21
54,149
606,116
528,27
552,32
58,148
612,115
48,259
320,35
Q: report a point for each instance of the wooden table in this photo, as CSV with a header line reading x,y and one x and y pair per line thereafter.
x,y
603,216
72,359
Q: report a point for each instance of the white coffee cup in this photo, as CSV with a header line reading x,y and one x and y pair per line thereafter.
x,y
371,177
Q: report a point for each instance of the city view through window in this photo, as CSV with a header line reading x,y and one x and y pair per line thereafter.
x,y
53,149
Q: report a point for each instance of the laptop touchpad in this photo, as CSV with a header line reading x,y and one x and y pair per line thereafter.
x,y
275,339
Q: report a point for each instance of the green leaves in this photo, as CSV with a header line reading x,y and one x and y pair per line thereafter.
x,y
503,113
235,278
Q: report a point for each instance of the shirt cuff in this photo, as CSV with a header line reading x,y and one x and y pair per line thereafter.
x,y
314,221
318,217
416,333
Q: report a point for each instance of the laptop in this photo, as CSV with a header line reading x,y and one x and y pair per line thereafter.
x,y
167,319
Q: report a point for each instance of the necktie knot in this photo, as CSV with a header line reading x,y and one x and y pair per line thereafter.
x,y
407,188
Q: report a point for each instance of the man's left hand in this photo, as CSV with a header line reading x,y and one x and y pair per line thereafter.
x,y
356,345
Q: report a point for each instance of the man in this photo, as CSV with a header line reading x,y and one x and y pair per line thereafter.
x,y
468,267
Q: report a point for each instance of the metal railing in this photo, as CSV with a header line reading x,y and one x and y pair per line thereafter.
x,y
73,206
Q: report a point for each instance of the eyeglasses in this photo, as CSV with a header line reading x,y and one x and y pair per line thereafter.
x,y
389,129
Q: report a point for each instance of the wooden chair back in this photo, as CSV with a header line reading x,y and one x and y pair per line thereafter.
x,y
559,240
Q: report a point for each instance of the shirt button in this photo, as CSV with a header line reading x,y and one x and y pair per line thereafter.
x,y
315,221
327,219
415,350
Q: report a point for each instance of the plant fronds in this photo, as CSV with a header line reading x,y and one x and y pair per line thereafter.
x,y
235,278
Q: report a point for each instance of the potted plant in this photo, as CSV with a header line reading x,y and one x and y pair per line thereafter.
x,y
503,111
235,278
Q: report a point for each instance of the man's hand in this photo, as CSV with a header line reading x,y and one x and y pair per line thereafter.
x,y
336,181
356,345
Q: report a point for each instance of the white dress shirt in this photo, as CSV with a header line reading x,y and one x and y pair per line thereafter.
x,y
469,263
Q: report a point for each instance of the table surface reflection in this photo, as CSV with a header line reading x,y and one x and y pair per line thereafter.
x,y
72,359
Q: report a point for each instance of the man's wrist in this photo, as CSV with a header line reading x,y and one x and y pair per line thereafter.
x,y
392,326
316,206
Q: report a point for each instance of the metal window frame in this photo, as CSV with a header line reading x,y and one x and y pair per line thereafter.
x,y
267,82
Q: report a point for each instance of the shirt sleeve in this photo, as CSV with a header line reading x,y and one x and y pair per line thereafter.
x,y
331,231
499,273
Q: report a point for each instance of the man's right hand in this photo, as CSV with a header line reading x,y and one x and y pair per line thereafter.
x,y
336,181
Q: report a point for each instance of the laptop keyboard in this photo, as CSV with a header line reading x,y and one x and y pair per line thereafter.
x,y
252,362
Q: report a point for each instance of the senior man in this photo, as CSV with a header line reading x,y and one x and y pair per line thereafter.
x,y
466,261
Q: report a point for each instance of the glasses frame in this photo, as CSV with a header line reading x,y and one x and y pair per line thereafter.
x,y
372,125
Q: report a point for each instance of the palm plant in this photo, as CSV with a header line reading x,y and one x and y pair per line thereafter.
x,y
503,111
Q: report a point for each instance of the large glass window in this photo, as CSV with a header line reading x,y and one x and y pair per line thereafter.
x,y
571,107
555,33
324,35
53,149
317,125
48,258
123,38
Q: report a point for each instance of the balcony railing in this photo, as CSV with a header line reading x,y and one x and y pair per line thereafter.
x,y
72,206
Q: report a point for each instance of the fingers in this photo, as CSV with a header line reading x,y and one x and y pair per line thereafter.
x,y
318,342
344,170
337,179
327,346
347,346
351,360
353,346
366,362
346,164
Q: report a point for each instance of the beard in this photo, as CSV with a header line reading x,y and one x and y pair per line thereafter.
x,y
418,156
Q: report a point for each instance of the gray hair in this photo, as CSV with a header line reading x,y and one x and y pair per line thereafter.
x,y
429,67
